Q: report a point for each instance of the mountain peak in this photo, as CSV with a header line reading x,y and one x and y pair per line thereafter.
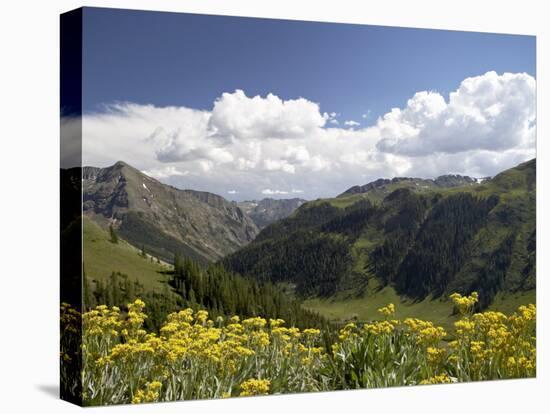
x,y
268,210
120,165
162,218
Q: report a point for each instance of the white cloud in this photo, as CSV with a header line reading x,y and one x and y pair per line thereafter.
x,y
205,165
297,154
236,116
71,133
279,165
257,144
165,172
268,191
271,192
351,123
488,112
232,192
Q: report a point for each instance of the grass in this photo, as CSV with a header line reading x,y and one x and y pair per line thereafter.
x,y
365,308
361,249
508,302
102,257
193,357
512,188
439,311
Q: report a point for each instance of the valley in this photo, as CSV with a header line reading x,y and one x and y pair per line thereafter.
x,y
341,257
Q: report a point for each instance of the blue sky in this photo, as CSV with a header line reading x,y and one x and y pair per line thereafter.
x,y
188,59
138,63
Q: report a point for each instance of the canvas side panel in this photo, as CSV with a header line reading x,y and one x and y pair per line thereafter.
x,y
71,206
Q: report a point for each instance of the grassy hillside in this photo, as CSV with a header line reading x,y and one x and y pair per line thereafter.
x,y
440,311
102,257
166,288
352,254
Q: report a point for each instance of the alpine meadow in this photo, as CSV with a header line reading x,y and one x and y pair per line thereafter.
x,y
239,223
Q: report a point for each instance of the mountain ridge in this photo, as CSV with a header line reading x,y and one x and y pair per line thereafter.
x,y
422,243
442,181
162,218
268,210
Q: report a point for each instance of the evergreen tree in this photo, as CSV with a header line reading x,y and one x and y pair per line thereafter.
x,y
114,235
192,297
89,300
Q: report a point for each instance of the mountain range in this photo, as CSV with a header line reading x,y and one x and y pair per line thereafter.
x,y
269,210
384,186
164,220
422,238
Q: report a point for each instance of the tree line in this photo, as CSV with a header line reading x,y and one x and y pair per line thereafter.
x,y
190,284
223,292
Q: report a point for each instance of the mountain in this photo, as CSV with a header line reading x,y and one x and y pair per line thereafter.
x,y
102,257
420,243
269,210
384,186
116,274
161,218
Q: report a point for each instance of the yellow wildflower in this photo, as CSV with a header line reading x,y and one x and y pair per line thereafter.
x,y
437,379
434,355
464,304
387,310
255,387
150,394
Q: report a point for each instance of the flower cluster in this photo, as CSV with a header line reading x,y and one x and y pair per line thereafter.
x,y
193,356
425,332
464,304
437,379
255,387
70,352
150,394
388,310
492,345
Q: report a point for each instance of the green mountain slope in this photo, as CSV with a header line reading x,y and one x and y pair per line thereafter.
x,y
166,288
102,257
423,243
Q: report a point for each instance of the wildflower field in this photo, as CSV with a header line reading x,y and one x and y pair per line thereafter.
x,y
195,357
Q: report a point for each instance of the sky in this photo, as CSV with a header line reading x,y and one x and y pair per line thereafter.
x,y
249,108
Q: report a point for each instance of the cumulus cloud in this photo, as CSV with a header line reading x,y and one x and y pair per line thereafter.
x,y
279,165
266,145
237,116
489,112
